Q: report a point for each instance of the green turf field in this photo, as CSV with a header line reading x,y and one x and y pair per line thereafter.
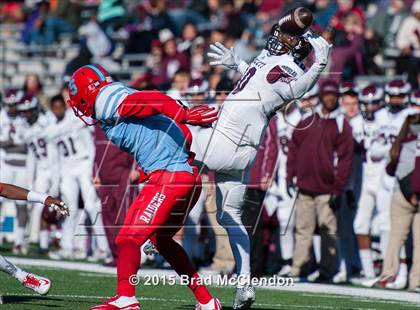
x,y
80,290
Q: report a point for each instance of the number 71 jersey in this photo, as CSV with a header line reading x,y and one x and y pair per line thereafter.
x,y
263,89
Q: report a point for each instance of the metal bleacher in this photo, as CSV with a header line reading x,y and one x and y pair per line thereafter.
x,y
49,62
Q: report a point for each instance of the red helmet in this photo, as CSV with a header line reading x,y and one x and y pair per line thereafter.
x,y
84,86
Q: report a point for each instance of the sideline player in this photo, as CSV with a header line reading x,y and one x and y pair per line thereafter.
x,y
152,127
276,77
39,284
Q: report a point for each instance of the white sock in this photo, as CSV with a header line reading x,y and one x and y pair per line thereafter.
x,y
367,262
384,238
20,236
343,266
317,248
403,271
43,239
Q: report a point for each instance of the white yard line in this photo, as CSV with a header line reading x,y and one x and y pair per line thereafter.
x,y
168,300
325,289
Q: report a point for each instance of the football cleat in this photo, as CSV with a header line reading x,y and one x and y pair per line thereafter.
x,y
340,277
36,283
399,283
244,297
213,304
119,303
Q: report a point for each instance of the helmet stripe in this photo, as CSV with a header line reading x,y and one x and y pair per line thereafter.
x,y
97,71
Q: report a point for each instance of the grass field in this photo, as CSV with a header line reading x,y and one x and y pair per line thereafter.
x,y
80,290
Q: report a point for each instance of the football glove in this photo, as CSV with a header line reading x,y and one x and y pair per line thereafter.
x,y
57,205
321,47
202,115
223,56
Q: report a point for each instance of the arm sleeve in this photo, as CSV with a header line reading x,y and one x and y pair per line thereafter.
x,y
295,89
149,103
344,150
271,149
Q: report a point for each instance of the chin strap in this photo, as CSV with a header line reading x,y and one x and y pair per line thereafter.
x,y
80,115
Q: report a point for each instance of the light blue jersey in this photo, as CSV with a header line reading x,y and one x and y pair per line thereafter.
x,y
156,142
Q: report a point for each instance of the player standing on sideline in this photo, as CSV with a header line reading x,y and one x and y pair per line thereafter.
x,y
152,127
390,121
371,99
39,284
276,77
40,161
14,161
75,150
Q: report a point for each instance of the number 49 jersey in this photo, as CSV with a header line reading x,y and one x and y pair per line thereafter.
x,y
263,89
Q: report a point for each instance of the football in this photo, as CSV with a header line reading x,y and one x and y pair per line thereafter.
x,y
296,22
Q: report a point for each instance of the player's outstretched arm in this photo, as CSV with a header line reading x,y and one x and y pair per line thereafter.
x,y
297,88
18,193
226,57
148,103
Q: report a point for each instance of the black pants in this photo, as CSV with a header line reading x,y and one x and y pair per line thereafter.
x,y
252,218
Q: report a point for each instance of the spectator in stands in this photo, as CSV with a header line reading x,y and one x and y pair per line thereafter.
x,y
67,10
405,215
99,44
384,26
111,14
189,33
148,20
33,87
260,180
347,36
323,10
172,60
320,179
199,67
154,63
232,22
408,42
43,27
214,13
180,85
11,12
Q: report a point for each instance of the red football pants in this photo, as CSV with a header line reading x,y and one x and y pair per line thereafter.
x,y
157,214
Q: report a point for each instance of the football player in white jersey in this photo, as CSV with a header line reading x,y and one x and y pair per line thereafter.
x,y
371,101
14,161
41,160
75,149
275,78
390,121
37,283
280,199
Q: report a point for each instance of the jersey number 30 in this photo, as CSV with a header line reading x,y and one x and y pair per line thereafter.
x,y
244,80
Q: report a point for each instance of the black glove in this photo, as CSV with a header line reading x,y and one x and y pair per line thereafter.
x,y
334,202
290,188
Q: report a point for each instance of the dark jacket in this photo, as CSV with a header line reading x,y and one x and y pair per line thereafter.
x,y
321,153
